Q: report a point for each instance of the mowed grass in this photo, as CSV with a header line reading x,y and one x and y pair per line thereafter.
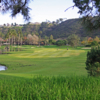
x,y
48,52
48,60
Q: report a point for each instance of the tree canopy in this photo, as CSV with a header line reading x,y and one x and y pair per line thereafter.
x,y
15,7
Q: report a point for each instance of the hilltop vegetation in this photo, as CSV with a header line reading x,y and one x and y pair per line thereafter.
x,y
59,29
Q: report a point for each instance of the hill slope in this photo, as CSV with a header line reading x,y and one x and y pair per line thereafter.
x,y
72,26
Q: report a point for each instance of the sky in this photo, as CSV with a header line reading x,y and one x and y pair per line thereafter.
x,y
42,10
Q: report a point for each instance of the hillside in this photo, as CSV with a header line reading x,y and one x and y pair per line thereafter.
x,y
58,30
68,27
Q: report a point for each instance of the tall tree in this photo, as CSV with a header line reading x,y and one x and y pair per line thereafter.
x,y
45,39
73,40
61,20
9,33
19,37
21,40
57,21
14,34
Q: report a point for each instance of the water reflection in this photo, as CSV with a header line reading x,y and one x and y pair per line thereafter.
x,y
2,67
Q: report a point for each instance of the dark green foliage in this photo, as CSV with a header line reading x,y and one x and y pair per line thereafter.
x,y
65,42
54,42
61,42
94,43
51,41
93,62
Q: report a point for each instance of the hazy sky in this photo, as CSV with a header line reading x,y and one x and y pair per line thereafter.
x,y
43,10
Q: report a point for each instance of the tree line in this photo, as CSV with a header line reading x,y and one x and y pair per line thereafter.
x,y
15,37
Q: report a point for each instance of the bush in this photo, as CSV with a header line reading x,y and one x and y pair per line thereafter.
x,y
93,62
61,42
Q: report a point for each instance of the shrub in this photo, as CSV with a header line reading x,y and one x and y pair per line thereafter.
x,y
59,42
93,62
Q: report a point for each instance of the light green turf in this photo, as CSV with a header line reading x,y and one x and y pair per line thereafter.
x,y
45,60
47,52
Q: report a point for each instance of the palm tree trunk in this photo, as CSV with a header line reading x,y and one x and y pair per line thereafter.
x,y
18,42
9,43
21,41
14,43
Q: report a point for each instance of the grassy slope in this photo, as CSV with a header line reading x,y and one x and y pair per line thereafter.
x,y
45,61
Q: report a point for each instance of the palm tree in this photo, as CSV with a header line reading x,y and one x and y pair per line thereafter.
x,y
7,39
9,33
19,33
21,36
14,34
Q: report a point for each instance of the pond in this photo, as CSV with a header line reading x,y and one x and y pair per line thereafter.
x,y
2,67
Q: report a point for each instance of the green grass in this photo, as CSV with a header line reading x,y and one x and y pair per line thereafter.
x,y
47,73
49,88
48,60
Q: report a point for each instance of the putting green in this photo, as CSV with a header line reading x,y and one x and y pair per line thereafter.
x,y
47,52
